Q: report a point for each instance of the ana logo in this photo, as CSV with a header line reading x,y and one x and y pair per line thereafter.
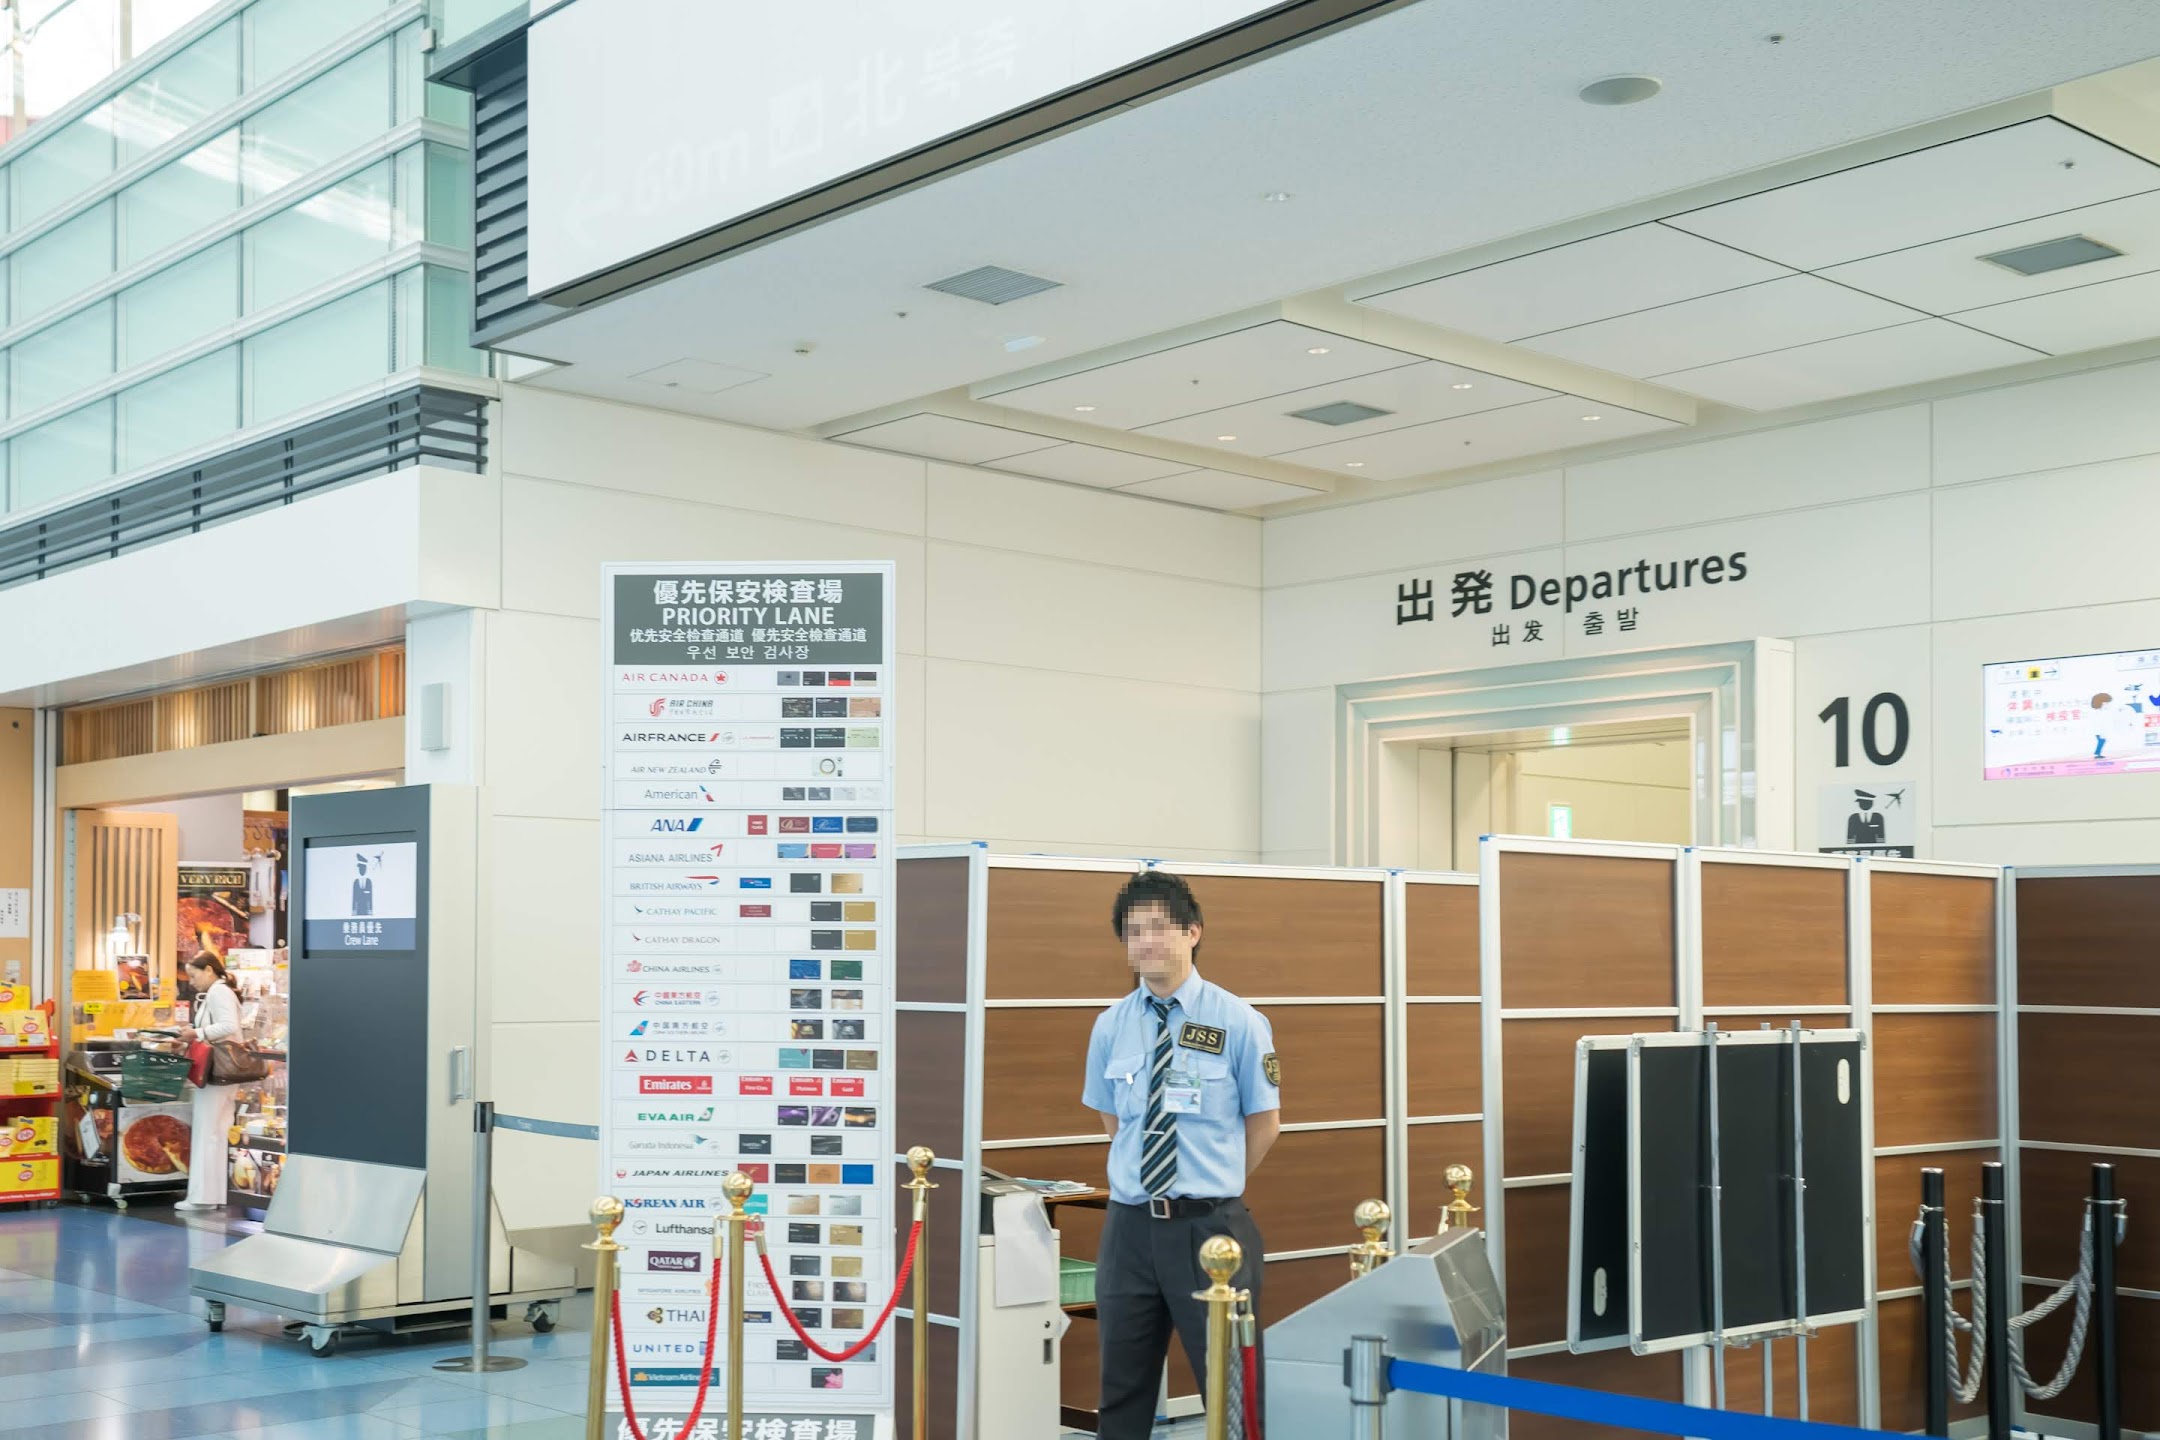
x,y
679,825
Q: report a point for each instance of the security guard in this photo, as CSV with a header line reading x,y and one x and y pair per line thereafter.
x,y
1185,1076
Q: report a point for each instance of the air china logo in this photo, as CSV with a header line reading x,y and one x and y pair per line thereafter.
x,y
676,705
675,1085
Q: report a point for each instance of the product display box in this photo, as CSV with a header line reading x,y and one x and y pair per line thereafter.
x,y
24,1030
29,1075
29,1135
28,1177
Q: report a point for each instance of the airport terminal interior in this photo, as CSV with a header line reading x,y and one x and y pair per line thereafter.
x,y
1245,718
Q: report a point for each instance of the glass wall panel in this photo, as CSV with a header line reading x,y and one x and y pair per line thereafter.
x,y
449,197
339,347
282,33
63,262
449,322
200,80
63,455
180,410
329,116
326,235
153,20
180,304
174,201
60,166
70,355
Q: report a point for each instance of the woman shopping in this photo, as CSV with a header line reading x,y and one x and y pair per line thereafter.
x,y
216,1018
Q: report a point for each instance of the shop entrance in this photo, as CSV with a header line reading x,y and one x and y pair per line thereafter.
x,y
1684,746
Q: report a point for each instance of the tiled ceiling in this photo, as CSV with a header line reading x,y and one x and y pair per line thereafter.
x,y
1860,280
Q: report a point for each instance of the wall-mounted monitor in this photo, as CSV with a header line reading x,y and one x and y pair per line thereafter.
x,y
362,895
2072,715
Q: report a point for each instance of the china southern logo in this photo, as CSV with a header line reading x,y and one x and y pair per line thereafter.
x,y
637,1030
679,825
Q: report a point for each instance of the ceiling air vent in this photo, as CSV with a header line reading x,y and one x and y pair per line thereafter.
x,y
2057,254
993,285
1339,412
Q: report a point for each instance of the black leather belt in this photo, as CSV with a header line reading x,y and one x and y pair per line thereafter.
x,y
1182,1207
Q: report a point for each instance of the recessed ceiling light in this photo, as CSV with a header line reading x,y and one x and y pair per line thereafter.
x,y
1317,350
1276,197
1354,464
1620,90
1462,385
1226,437
1023,342
1083,408
1593,417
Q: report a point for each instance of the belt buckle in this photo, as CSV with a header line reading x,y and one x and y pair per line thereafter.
x,y
1158,1207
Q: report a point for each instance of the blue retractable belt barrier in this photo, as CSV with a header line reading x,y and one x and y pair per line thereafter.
x,y
1661,1417
546,1127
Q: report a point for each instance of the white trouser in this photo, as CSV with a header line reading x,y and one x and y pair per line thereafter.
x,y
206,1151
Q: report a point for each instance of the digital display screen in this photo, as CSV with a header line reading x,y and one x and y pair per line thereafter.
x,y
2072,715
361,896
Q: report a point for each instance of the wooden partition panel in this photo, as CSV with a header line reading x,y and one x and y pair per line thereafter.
x,y
930,1080
1050,936
1901,1338
944,1385
1440,939
1537,1265
1033,1069
1617,1372
1934,937
1934,1079
1773,935
1331,1067
2089,1076
930,923
1443,1047
1833,1373
1584,930
1897,1205
1313,1179
1268,936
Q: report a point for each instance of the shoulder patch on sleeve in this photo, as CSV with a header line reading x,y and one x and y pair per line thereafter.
x,y
1272,1068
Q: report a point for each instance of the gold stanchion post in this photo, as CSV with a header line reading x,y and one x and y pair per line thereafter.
x,y
607,1213
1455,1215
920,1159
736,1186
1371,1217
1220,1256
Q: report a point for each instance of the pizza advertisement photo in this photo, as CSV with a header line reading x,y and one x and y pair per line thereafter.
x,y
154,1142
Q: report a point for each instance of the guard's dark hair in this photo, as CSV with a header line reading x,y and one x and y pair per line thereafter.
x,y
1156,887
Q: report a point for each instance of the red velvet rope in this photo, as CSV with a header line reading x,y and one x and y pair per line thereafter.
x,y
907,1263
1252,1392
622,1367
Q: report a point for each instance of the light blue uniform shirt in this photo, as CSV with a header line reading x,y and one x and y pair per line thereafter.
x,y
1234,1084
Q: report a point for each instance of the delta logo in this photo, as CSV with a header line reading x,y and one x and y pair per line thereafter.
x,y
679,826
668,1055
675,1085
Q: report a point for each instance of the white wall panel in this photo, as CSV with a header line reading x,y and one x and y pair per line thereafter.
x,y
908,732
1857,667
555,538
543,719
552,436
1117,763
2083,842
1041,518
1343,630
1853,457
2044,541
1491,517
1297,761
1006,608
550,1072
2048,425
545,913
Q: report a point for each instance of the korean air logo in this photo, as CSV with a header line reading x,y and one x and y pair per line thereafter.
x,y
678,825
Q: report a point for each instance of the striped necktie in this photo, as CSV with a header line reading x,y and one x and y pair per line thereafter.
x,y
1158,1148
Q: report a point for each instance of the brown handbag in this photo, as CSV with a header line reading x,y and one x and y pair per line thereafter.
x,y
234,1062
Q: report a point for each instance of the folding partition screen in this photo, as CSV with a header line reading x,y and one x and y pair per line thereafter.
x,y
2087,1034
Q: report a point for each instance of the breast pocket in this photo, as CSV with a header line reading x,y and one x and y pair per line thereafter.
x,y
1127,1078
1218,1089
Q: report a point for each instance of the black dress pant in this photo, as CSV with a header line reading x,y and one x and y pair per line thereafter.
x,y
1146,1274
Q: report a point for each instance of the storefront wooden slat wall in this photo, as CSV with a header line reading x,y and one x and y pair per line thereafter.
x,y
346,691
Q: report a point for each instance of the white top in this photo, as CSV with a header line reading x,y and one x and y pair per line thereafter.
x,y
217,1013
